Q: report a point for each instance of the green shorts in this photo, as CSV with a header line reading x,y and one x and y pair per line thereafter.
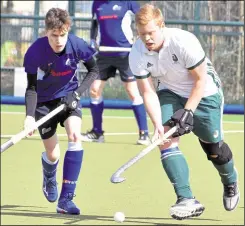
x,y
207,116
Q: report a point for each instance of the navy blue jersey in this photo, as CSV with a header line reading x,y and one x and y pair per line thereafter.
x,y
56,75
114,21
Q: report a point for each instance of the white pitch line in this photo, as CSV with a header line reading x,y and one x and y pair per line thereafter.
x,y
113,117
115,134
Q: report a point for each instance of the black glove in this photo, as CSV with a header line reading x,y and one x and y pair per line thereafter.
x,y
71,100
184,119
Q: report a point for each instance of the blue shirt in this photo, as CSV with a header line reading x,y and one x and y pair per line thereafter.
x,y
56,75
114,20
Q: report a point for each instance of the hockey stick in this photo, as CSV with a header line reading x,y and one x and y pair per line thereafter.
x,y
114,49
19,136
116,177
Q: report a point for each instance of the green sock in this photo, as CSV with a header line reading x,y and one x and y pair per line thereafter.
x,y
177,170
227,172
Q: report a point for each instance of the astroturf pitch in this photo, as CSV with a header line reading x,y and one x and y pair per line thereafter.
x,y
145,196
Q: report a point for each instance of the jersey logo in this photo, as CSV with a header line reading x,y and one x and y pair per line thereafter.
x,y
149,65
45,130
116,7
175,58
72,63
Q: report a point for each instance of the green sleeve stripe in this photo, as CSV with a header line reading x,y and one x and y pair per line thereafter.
x,y
191,68
142,77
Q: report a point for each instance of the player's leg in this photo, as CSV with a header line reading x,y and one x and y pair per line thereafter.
x,y
131,88
72,162
50,157
208,119
96,134
175,165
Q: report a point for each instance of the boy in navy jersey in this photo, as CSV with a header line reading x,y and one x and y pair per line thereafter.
x,y
113,20
51,64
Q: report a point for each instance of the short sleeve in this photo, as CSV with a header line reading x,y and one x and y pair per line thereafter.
x,y
192,52
136,64
30,62
85,52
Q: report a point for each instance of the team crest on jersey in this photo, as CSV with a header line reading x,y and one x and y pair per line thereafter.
x,y
175,58
72,63
116,7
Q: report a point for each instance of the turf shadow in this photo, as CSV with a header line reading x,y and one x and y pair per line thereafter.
x,y
21,211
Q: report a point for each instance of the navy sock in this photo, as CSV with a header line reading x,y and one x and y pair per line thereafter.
x,y
97,111
71,170
49,170
176,168
140,115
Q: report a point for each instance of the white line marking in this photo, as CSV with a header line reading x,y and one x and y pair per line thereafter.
x,y
116,117
114,134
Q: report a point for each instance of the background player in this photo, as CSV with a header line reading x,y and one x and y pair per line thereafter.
x,y
113,20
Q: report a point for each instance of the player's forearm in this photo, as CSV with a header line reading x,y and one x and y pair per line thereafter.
x,y
196,95
153,109
31,95
94,30
93,73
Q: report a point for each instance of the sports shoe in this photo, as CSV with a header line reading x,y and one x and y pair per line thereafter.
x,y
186,208
143,138
67,206
50,189
231,196
92,136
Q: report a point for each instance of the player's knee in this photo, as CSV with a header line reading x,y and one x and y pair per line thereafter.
x,y
94,93
132,90
219,153
74,137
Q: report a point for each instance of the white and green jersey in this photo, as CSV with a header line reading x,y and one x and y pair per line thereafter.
x,y
180,53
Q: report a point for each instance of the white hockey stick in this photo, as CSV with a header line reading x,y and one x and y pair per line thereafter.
x,y
19,136
114,49
116,177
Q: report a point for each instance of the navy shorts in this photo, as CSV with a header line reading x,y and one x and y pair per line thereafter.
x,y
109,64
48,129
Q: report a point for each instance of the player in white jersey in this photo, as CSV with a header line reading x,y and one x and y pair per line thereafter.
x,y
187,93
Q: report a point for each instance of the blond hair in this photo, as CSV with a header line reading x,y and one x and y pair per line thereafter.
x,y
147,13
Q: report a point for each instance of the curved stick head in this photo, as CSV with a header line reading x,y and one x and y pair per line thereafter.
x,y
117,179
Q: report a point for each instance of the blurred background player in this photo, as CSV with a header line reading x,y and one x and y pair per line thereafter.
x,y
113,21
50,64
190,95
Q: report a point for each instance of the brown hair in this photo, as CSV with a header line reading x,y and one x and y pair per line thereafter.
x,y
57,18
147,13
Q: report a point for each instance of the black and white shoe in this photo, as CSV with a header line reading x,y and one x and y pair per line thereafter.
x,y
143,138
231,196
92,136
185,208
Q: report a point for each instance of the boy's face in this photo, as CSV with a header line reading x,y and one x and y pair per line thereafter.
x,y
57,39
151,35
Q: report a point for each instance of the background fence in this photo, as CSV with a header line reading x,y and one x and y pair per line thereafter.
x,y
217,24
